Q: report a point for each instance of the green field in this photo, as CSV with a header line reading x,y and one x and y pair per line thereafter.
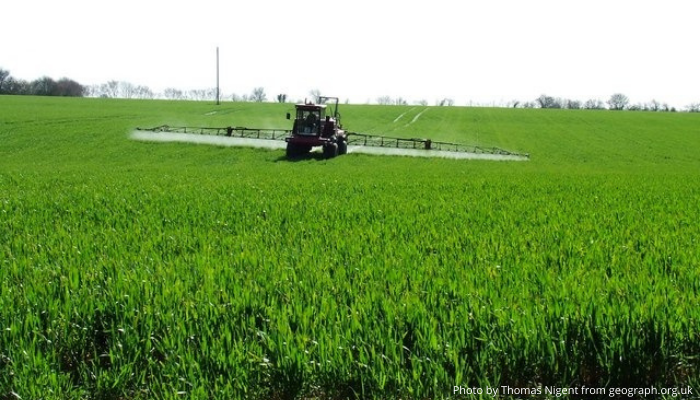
x,y
142,270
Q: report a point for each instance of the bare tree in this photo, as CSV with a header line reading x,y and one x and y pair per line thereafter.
x,y
593,104
422,102
573,104
315,95
210,93
197,94
92,91
127,90
445,102
173,94
110,89
384,100
144,92
281,98
258,95
694,107
193,94
653,106
618,101
88,91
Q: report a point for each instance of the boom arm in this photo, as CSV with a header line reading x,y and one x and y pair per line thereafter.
x,y
354,139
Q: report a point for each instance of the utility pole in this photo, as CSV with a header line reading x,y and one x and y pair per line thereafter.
x,y
218,95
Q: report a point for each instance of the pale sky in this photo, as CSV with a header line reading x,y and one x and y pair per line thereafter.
x,y
478,51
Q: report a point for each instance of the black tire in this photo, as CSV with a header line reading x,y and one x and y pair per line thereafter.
x,y
342,147
297,150
330,150
292,150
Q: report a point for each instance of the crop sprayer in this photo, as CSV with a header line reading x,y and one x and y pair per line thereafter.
x,y
318,125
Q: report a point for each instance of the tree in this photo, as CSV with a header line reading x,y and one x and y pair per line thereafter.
x,y
43,86
694,107
573,104
16,86
653,106
445,102
110,89
173,94
144,92
4,76
315,95
618,101
69,87
197,94
545,101
593,104
384,100
211,93
92,91
281,98
127,90
258,95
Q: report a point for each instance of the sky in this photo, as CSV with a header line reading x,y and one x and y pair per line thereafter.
x,y
474,52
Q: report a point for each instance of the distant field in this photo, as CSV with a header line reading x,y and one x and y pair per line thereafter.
x,y
142,270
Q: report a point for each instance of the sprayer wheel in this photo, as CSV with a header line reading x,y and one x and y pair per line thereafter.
x,y
330,150
342,147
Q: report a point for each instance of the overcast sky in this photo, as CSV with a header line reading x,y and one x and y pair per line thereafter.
x,y
478,51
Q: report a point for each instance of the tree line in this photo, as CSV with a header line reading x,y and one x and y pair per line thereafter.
x,y
127,90
46,86
617,102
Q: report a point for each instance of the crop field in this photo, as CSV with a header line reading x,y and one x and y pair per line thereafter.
x,y
136,270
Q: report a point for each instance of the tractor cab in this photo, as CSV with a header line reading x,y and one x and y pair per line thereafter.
x,y
310,119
